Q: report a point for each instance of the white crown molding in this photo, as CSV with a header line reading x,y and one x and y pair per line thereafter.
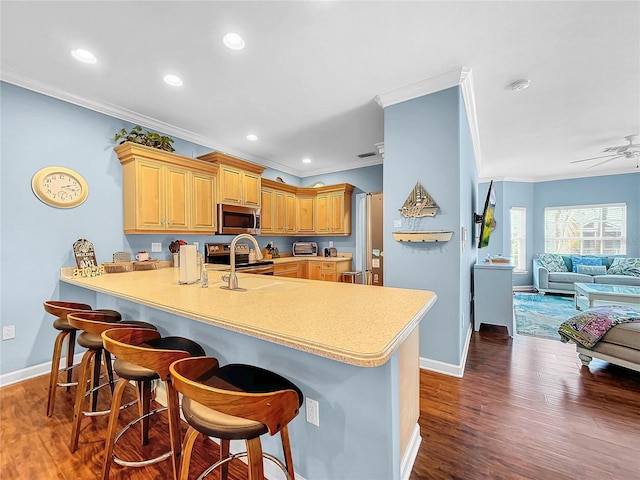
x,y
461,77
552,178
139,119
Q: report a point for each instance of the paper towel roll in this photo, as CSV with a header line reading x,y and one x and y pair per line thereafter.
x,y
188,264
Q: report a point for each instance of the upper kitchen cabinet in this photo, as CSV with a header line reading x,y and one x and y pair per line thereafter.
x,y
278,208
333,209
166,192
239,181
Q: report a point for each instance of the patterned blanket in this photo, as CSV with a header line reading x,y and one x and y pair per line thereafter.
x,y
588,327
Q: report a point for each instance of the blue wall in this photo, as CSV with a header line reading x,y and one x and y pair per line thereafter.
x,y
427,140
535,197
36,240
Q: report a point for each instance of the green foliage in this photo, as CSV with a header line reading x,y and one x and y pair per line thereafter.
x,y
150,139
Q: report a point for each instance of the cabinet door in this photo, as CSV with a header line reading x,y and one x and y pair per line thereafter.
x,y
280,214
177,199
322,216
315,270
203,213
336,212
329,271
306,214
251,189
290,217
230,185
150,197
267,211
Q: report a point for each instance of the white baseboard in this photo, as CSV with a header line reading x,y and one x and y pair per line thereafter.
x,y
523,288
410,454
34,371
449,368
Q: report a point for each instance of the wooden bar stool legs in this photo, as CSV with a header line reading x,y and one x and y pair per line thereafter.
x,y
143,356
60,310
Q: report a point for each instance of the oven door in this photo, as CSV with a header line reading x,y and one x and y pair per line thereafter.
x,y
235,219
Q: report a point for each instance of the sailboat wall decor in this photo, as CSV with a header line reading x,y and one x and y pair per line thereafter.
x,y
419,204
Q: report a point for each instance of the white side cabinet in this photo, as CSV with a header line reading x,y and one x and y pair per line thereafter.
x,y
493,295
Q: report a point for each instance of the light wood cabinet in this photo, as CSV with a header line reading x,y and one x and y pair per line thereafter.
x,y
331,210
291,270
239,181
278,208
328,271
165,192
306,214
203,201
267,206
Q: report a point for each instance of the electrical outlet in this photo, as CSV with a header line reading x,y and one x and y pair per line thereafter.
x,y
197,245
313,411
8,332
156,247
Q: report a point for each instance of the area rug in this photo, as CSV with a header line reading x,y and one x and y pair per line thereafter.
x,y
541,315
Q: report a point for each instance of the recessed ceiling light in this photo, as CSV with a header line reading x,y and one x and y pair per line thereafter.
x,y
84,56
519,85
233,41
173,80
306,160
252,137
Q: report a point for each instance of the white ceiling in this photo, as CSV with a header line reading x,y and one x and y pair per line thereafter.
x,y
307,79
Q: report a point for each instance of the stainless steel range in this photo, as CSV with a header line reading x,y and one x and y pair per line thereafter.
x,y
220,254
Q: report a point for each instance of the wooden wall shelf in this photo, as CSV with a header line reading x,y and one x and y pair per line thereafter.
x,y
423,236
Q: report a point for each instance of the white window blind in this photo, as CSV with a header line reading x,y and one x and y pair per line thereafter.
x,y
586,229
519,238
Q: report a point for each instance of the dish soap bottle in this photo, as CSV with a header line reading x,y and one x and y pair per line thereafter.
x,y
204,276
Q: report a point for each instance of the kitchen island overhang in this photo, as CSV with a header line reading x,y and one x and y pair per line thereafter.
x,y
371,412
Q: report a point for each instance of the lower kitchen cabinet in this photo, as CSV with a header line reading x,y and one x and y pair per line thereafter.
x,y
328,271
291,270
313,269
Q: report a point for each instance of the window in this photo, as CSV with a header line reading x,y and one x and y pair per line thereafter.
x,y
519,238
586,229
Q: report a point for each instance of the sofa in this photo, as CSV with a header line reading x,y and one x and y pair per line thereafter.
x,y
555,273
620,346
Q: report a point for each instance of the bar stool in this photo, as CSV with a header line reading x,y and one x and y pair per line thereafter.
x,y
235,402
92,324
142,356
60,311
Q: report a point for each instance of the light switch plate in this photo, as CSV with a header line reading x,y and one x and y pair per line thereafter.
x,y
397,223
156,247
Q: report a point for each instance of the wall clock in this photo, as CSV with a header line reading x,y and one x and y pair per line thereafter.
x,y
60,187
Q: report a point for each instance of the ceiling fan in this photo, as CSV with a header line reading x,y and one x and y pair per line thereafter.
x,y
630,151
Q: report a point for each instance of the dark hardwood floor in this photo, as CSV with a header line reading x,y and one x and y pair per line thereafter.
x,y
525,409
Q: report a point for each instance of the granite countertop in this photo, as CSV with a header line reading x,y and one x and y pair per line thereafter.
x,y
354,324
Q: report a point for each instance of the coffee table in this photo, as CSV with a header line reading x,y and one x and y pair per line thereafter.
x,y
588,293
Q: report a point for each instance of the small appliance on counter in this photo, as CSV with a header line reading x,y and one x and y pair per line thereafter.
x,y
301,249
189,272
330,252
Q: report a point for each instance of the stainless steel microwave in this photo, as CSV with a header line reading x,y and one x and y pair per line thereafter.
x,y
236,219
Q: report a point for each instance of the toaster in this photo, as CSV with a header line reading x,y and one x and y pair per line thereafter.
x,y
301,249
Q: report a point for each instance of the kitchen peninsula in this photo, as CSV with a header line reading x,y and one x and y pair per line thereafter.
x,y
353,348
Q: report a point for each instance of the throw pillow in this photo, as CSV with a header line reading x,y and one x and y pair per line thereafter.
x,y
553,262
575,261
625,266
592,269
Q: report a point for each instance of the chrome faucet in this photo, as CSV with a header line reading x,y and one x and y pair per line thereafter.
x,y
231,277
